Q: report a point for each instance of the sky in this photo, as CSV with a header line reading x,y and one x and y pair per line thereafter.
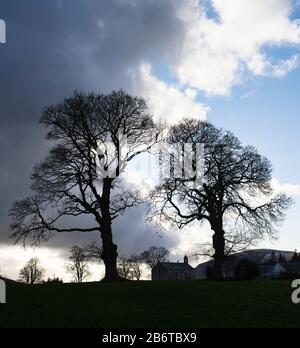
x,y
233,63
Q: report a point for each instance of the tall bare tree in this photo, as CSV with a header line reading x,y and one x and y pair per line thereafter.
x,y
236,188
32,272
78,266
89,132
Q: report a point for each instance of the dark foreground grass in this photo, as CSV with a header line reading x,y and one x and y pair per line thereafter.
x,y
194,304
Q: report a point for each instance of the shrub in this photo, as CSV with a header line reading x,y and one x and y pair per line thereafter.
x,y
289,276
53,281
246,270
209,273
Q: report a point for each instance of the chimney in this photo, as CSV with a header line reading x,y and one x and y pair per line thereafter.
x,y
186,259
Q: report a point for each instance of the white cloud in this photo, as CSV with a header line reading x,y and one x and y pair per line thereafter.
x,y
217,53
247,95
166,101
290,189
260,65
285,66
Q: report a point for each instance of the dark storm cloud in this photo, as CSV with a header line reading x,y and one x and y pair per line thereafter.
x,y
54,47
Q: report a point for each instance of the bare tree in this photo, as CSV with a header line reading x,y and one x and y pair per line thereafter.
x,y
31,273
125,268
154,255
78,266
136,267
79,176
237,188
130,268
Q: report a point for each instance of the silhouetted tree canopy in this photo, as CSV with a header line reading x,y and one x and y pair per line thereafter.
x,y
78,266
136,267
236,192
154,255
130,268
75,180
124,268
32,272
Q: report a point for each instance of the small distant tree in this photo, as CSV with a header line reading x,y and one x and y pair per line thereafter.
x,y
78,266
31,273
246,270
136,267
125,268
130,268
154,255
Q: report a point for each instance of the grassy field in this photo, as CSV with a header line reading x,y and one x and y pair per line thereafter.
x,y
151,305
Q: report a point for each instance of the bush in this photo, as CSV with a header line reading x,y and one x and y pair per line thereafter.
x,y
53,281
246,270
209,273
289,276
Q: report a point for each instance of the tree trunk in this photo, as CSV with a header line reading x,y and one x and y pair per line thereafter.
x,y
219,255
109,254
109,257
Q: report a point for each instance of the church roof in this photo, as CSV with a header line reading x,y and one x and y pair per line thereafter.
x,y
177,266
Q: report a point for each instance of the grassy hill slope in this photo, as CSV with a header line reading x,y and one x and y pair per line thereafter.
x,y
151,304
